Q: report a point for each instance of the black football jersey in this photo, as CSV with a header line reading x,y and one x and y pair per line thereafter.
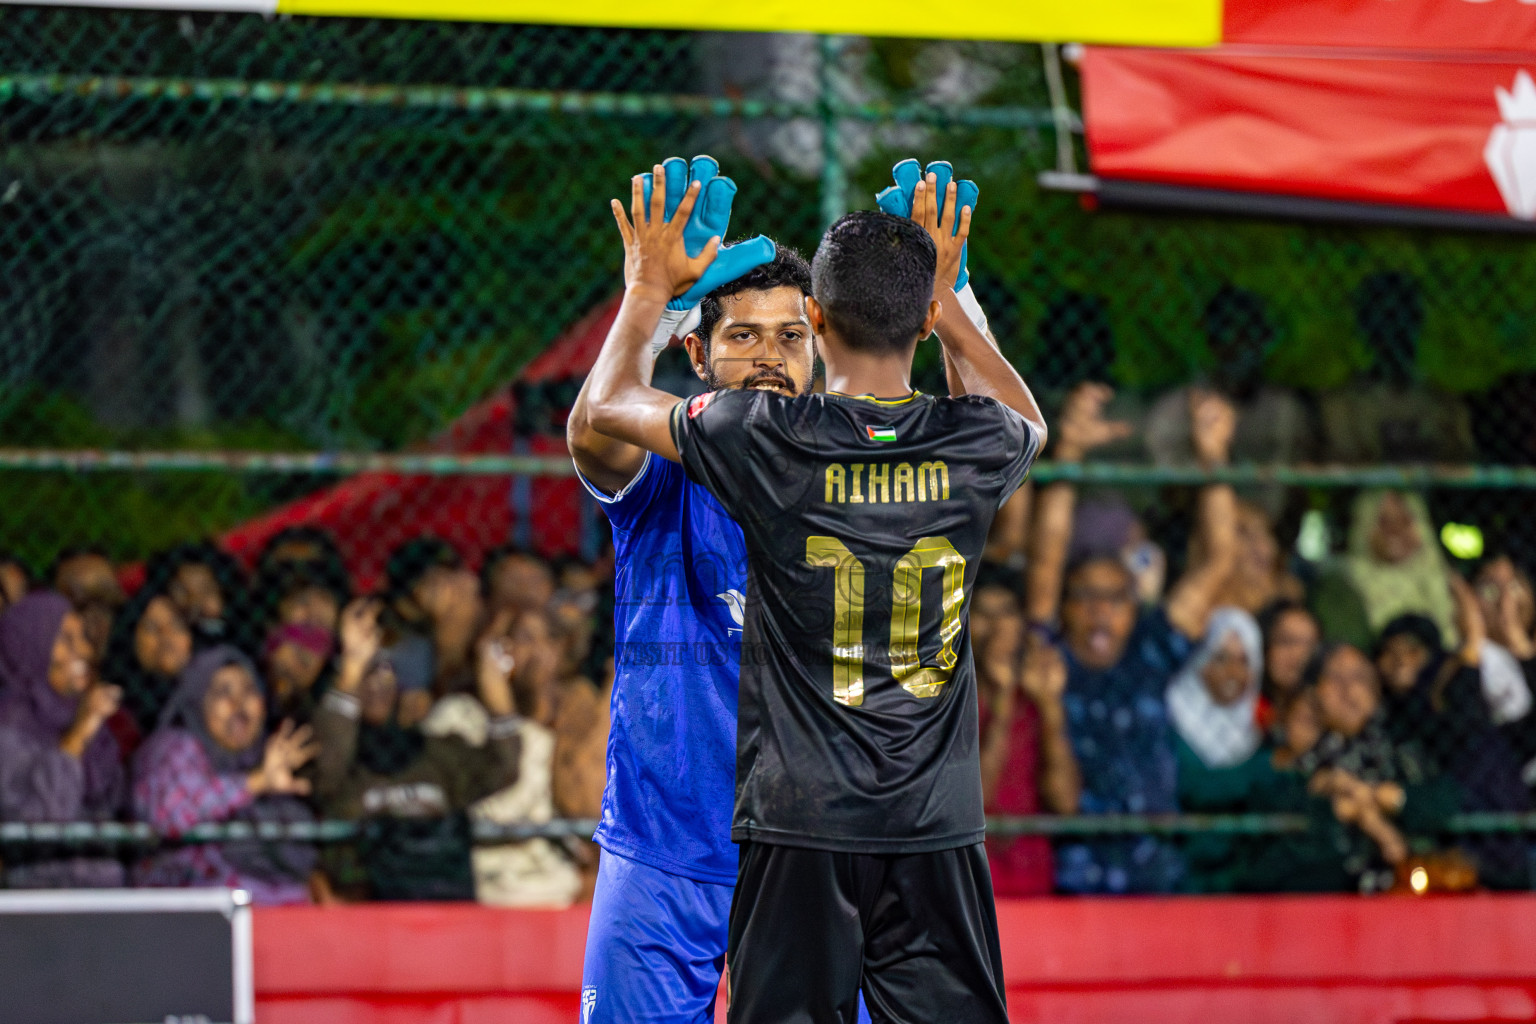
x,y
865,521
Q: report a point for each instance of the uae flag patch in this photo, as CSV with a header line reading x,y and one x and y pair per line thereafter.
x,y
881,433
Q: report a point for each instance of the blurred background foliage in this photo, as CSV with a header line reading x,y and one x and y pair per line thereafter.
x,y
199,258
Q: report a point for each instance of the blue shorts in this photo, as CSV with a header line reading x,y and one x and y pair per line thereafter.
x,y
655,947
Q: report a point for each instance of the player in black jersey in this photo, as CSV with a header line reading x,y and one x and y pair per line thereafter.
x,y
865,511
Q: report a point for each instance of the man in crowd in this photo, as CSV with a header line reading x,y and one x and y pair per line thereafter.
x,y
1121,657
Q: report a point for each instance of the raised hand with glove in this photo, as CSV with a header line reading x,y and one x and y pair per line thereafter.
x,y
897,200
673,257
711,218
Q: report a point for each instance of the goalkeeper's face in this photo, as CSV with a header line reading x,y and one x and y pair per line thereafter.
x,y
762,341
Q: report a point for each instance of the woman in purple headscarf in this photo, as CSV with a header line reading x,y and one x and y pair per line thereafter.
x,y
57,762
210,760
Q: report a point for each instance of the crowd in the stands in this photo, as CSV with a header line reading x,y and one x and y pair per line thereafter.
x,y
215,696
1372,695
1375,694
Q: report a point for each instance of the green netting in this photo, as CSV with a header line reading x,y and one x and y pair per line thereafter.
x,y
226,235
230,232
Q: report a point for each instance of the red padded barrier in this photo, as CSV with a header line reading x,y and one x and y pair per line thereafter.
x,y
1320,960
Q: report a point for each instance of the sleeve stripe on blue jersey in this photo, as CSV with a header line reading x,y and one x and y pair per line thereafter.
x,y
607,499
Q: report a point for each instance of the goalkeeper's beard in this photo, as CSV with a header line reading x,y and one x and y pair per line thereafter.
x,y
713,382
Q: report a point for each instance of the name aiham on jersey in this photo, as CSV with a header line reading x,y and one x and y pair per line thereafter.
x,y
880,483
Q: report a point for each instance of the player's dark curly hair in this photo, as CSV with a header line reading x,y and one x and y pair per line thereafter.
x,y
787,269
873,275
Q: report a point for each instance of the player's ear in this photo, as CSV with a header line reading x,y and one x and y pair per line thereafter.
x,y
816,315
932,319
696,355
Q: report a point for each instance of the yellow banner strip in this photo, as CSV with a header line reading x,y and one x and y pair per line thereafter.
x,y
1111,22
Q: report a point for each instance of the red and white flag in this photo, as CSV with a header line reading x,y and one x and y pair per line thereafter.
x,y
1447,134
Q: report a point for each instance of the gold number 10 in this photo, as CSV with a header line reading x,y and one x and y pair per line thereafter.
x,y
906,615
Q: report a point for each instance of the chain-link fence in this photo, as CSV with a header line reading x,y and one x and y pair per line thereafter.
x,y
271,274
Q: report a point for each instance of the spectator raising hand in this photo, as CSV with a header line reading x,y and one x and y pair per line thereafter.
x,y
1043,680
57,762
98,703
1471,627
1514,618
377,763
495,663
1043,674
1082,426
1213,421
1080,429
1509,608
1120,657
211,761
517,661
361,640
1026,758
287,750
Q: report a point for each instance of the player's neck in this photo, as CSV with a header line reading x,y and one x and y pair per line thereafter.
x,y
882,374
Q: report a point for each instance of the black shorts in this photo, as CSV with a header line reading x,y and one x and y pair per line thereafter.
x,y
917,932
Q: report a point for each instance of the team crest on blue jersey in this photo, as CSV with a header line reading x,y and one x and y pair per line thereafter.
x,y
588,1003
736,601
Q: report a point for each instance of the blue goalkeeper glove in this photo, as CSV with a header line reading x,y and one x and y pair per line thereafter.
x,y
897,200
711,218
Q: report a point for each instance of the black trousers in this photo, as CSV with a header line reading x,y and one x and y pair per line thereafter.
x,y
917,932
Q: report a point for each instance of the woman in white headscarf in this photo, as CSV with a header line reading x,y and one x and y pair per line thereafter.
x,y
1225,767
1213,701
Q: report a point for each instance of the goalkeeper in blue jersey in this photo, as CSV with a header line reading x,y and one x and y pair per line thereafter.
x,y
656,943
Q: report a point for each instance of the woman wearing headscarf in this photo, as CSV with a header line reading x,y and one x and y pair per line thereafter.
x,y
211,760
1226,766
1213,704
1214,699
1388,787
151,643
1435,700
1393,566
57,761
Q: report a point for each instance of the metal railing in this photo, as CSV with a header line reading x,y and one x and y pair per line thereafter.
x,y
439,464
142,835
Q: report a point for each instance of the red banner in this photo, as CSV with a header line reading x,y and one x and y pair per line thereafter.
x,y
1445,135
1384,24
